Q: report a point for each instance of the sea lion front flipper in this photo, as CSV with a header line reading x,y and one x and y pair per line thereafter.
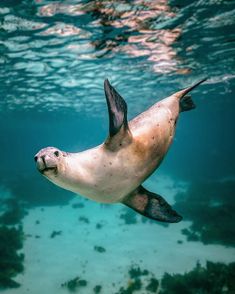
x,y
151,205
119,133
117,108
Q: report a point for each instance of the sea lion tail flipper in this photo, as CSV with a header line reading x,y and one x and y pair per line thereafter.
x,y
152,206
186,103
117,109
182,93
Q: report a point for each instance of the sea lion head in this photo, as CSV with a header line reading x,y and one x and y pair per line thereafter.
x,y
50,161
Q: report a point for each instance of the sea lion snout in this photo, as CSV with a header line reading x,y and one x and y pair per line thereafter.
x,y
47,159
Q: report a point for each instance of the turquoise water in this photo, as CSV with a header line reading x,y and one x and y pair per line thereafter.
x,y
54,57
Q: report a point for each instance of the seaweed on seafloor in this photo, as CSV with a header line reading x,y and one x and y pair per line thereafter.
x,y
99,249
11,240
136,272
210,206
78,205
152,285
84,219
100,225
133,285
97,289
129,216
55,233
74,284
6,282
137,280
12,211
215,278
11,262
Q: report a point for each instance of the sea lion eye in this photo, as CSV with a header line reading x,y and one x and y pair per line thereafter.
x,y
57,153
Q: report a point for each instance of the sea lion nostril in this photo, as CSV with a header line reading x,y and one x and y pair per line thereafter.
x,y
35,158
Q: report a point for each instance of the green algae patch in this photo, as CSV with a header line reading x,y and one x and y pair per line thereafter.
x,y
12,213
74,284
99,249
214,278
11,262
97,289
128,216
139,281
152,285
210,206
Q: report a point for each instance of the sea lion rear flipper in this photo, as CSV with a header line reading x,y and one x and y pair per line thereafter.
x,y
152,206
186,103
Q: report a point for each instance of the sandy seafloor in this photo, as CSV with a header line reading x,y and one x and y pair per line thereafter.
x,y
49,262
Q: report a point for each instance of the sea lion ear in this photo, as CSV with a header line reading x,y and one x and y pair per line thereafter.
x,y
117,109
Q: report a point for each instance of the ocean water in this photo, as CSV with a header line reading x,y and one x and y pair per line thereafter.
x,y
54,57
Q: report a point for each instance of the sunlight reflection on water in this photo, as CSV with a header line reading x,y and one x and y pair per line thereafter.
x,y
62,50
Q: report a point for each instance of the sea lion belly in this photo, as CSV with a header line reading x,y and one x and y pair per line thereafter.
x,y
107,176
99,174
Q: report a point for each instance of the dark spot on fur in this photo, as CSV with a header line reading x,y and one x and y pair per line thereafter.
x,y
153,138
110,163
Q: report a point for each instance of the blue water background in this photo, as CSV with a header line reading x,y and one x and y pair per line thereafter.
x,y
54,57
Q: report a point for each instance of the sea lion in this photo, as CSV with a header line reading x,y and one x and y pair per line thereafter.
x,y
113,171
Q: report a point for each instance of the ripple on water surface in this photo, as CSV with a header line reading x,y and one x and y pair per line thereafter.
x,y
52,52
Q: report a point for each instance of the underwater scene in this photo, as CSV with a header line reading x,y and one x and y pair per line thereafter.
x,y
54,59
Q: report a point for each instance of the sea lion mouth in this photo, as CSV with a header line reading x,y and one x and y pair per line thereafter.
x,y
46,169
46,165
